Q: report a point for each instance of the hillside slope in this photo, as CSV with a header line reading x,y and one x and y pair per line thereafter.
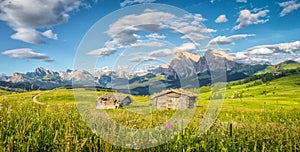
x,y
3,92
286,65
276,94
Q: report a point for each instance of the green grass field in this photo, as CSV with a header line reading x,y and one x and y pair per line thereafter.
x,y
3,92
263,117
280,67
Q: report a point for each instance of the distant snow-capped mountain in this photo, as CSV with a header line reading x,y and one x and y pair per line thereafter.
x,y
183,65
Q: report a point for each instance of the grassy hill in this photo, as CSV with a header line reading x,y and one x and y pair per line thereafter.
x,y
3,92
255,116
287,65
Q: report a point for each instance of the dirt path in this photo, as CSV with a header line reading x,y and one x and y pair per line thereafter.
x,y
34,99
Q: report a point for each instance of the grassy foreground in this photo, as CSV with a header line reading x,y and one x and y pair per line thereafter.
x,y
254,117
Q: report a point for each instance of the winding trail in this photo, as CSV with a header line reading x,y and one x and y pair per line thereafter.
x,y
34,99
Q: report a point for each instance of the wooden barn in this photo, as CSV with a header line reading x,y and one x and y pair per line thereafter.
x,y
112,101
174,99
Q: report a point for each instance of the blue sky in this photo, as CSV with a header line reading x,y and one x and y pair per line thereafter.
x,y
49,32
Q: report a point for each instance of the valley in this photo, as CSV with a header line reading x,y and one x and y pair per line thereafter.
x,y
184,66
261,117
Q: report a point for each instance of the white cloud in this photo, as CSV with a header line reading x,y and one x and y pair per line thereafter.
x,y
153,21
288,7
27,35
248,17
142,58
193,32
297,59
148,44
240,55
224,40
161,53
27,16
194,29
195,17
194,36
221,19
155,36
131,2
187,47
49,34
261,51
26,53
241,1
273,53
291,47
102,52
123,31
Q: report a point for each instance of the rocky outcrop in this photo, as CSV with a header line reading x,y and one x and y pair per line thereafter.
x,y
17,77
3,77
185,64
41,72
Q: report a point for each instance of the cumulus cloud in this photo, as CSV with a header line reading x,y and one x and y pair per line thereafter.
x,y
155,36
27,16
194,32
224,40
187,47
152,55
248,17
102,52
148,44
26,53
272,53
124,31
161,53
131,2
221,19
155,21
288,7
141,59
49,34
241,1
291,47
260,51
27,35
297,59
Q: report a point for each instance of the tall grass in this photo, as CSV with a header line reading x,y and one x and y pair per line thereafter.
x,y
257,122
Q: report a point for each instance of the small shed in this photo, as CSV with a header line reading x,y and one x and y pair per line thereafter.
x,y
113,101
174,99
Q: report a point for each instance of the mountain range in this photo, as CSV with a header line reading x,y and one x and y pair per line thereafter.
x,y
183,66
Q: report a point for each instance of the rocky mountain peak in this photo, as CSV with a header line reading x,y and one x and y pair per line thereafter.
x,y
81,75
17,77
165,66
3,77
184,54
217,59
217,54
183,64
40,71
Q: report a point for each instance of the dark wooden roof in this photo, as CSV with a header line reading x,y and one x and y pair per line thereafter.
x,y
177,91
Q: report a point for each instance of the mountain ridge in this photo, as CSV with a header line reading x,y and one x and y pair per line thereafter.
x,y
184,65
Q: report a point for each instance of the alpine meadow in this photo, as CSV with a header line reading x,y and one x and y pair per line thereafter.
x,y
149,75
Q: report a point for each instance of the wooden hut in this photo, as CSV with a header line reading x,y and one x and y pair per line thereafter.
x,y
174,99
112,101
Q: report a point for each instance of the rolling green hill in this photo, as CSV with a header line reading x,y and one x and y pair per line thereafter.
x,y
281,92
3,92
255,116
287,65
